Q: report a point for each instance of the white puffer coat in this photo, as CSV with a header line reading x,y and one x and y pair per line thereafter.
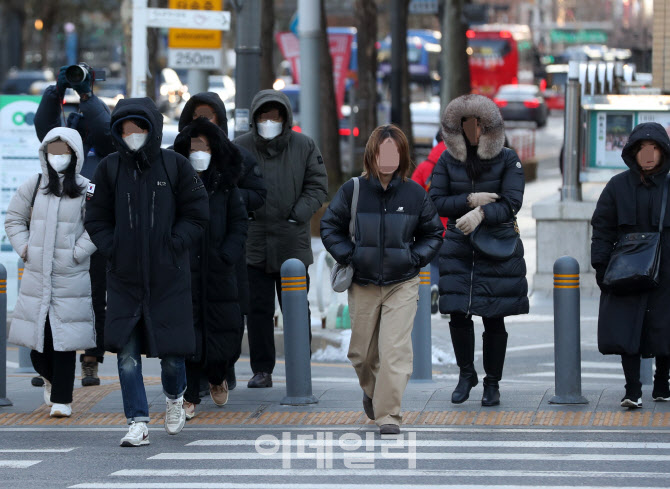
x,y
56,251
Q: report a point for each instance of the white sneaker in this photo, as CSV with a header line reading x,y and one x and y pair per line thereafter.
x,y
61,410
138,435
175,417
47,392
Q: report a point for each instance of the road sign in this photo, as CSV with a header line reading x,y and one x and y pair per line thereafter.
x,y
195,38
206,59
423,7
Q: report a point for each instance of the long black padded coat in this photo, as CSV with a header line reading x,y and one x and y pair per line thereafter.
x,y
639,322
146,210
397,230
250,183
214,285
471,283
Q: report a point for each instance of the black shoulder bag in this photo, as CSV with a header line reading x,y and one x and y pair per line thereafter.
x,y
496,241
635,263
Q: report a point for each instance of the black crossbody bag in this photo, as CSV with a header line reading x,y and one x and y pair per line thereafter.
x,y
635,263
496,241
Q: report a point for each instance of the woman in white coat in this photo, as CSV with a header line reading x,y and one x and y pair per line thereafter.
x,y
45,224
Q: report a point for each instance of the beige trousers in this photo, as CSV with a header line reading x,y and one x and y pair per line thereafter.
x,y
381,343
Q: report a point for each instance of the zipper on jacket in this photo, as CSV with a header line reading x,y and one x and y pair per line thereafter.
x,y
130,211
472,269
381,240
153,206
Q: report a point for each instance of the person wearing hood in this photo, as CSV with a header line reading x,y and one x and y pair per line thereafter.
x,y
249,184
91,121
214,291
145,209
478,181
297,185
634,323
53,315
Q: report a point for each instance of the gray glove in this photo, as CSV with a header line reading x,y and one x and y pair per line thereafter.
x,y
470,221
478,199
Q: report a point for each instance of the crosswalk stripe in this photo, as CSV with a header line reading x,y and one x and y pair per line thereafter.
x,y
273,485
434,443
556,457
17,464
585,375
595,365
437,473
37,450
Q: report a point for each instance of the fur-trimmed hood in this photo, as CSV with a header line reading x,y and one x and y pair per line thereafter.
x,y
492,139
226,157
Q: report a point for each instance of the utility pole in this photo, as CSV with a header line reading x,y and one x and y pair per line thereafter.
x,y
396,62
309,30
247,65
455,74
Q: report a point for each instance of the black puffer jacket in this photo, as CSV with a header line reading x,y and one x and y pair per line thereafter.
x,y
471,283
216,310
250,182
398,230
147,209
636,322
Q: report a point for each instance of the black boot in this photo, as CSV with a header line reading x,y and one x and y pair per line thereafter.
x,y
661,390
631,371
463,340
494,348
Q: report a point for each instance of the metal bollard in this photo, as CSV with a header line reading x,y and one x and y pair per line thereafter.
x,y
647,371
25,363
296,334
421,341
567,352
4,401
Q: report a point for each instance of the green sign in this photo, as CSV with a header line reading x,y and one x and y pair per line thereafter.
x,y
578,37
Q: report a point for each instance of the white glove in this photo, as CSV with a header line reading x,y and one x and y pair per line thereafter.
x,y
478,199
470,221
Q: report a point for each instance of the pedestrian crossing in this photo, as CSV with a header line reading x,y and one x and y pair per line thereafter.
x,y
18,460
591,371
355,459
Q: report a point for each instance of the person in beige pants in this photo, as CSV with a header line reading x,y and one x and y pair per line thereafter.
x,y
397,231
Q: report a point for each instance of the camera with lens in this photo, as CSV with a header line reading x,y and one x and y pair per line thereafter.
x,y
75,74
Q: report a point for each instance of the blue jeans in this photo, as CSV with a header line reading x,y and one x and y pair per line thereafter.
x,y
173,377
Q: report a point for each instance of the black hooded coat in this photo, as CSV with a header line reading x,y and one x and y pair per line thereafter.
x,y
216,311
472,283
638,322
147,208
250,182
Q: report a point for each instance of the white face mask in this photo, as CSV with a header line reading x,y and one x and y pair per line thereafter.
x,y
270,129
200,160
59,162
135,140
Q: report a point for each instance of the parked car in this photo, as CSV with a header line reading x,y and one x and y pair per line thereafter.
x,y
554,94
19,82
522,103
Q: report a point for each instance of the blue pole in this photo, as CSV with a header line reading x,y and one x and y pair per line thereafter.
x,y
4,401
421,333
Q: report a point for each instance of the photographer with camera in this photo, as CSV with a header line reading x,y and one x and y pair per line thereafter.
x,y
92,122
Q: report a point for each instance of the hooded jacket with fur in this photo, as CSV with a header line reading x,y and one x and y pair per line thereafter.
x,y
471,283
634,323
56,250
214,281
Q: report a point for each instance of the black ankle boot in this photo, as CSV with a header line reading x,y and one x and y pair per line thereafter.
x,y
491,396
493,349
463,340
466,381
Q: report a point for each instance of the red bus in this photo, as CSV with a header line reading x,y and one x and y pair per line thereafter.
x,y
500,54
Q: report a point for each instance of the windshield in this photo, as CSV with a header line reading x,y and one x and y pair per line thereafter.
x,y
489,48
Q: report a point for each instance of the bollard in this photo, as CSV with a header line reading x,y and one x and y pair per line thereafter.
x,y
646,371
3,337
421,341
567,352
25,364
296,334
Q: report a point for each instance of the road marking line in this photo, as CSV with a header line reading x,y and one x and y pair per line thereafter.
x,y
437,443
538,346
37,450
17,464
12,364
585,375
604,365
554,457
242,485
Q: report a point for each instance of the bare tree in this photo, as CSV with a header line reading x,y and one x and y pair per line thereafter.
x,y
267,44
330,132
455,64
404,73
365,12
